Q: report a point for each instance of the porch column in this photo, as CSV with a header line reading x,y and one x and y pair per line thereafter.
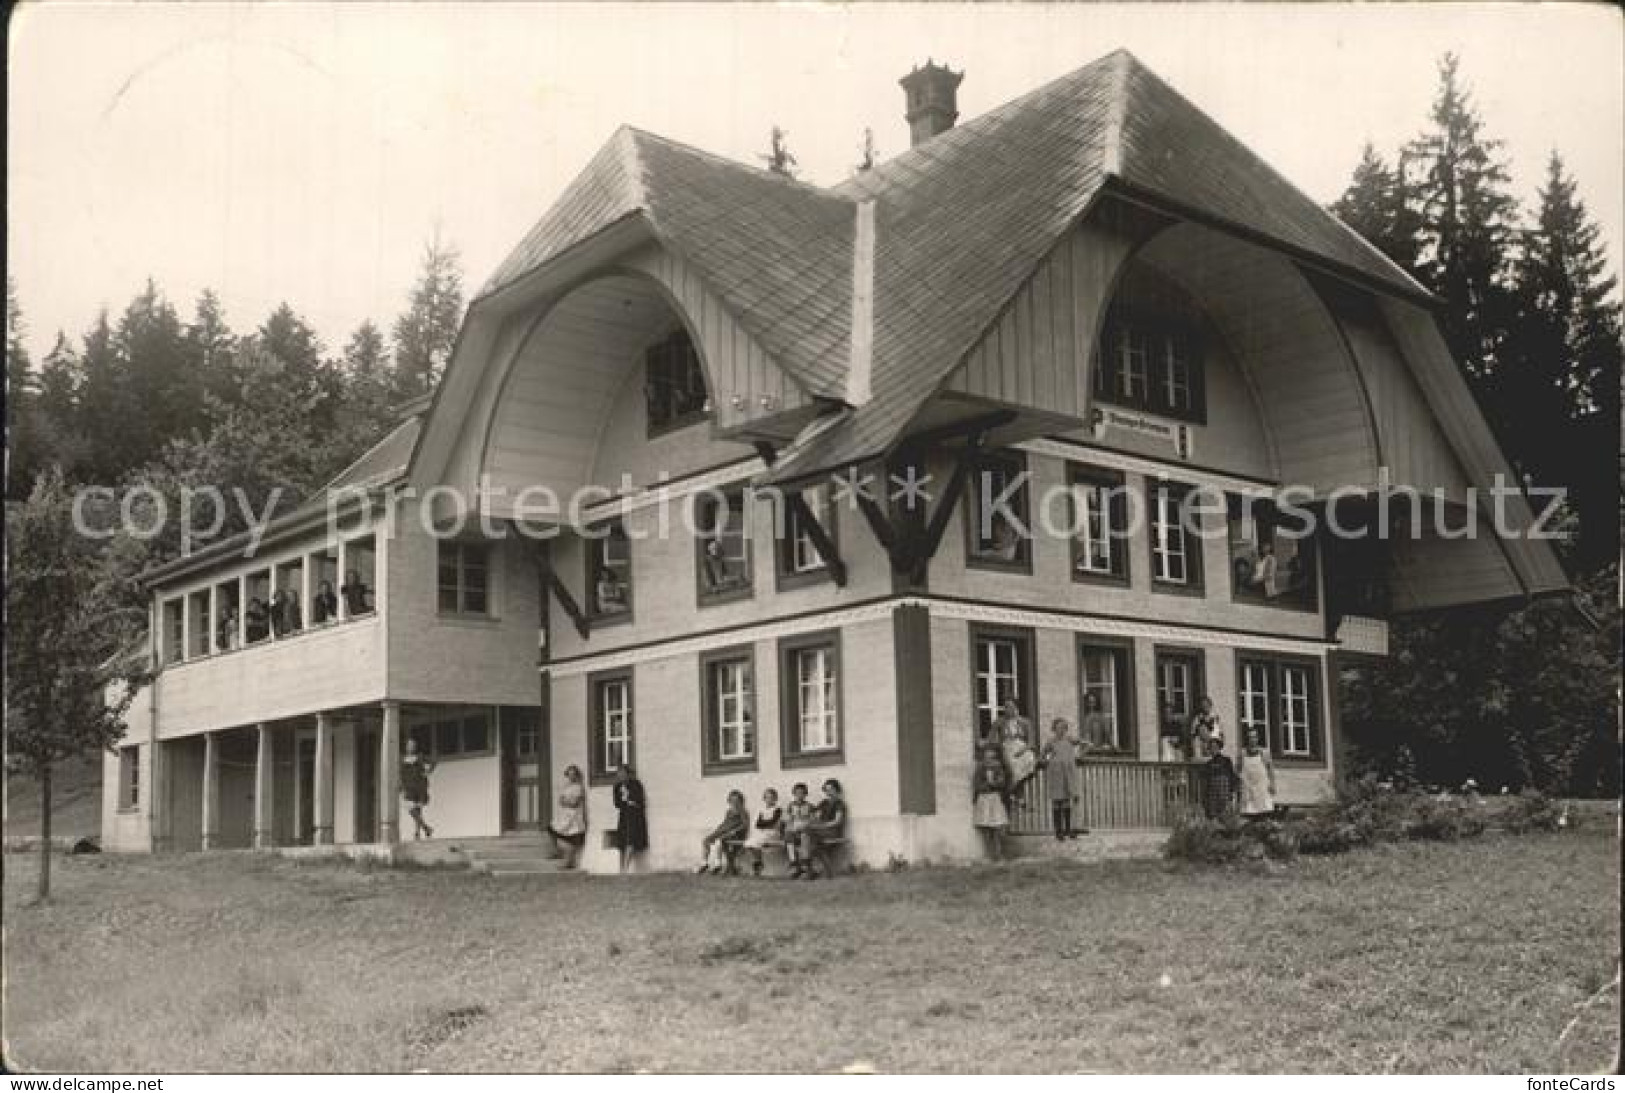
x,y
324,780
211,790
264,800
389,774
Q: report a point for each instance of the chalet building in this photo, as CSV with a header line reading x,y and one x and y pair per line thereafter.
x,y
1077,308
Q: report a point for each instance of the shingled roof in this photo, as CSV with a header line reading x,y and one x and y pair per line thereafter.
x,y
778,252
961,221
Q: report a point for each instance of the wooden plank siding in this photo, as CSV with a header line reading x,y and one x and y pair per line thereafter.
x,y
572,370
1038,353
1304,383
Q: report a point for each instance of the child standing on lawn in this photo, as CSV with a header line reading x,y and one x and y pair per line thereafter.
x,y
769,823
797,815
1257,779
726,837
1218,781
990,784
1059,760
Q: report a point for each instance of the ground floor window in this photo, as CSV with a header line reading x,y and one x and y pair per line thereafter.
x,y
1002,667
129,777
454,736
810,703
1280,698
1179,687
728,714
610,724
1106,682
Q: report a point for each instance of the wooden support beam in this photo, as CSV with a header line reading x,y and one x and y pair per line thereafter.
x,y
389,774
820,536
211,790
932,538
568,602
881,525
264,790
323,811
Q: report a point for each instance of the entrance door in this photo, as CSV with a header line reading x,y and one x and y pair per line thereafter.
x,y
366,786
524,784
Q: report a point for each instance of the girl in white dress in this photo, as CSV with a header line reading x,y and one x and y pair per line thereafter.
x,y
1257,779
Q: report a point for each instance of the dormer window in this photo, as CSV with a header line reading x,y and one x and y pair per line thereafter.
x,y
1151,364
674,383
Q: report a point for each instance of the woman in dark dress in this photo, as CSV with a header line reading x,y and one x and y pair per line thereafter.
x,y
632,830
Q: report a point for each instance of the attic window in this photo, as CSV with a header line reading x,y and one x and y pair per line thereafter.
x,y
1151,364
674,384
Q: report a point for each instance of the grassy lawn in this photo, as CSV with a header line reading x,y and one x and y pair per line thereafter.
x,y
1468,957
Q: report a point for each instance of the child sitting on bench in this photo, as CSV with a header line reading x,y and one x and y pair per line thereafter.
x,y
726,837
765,830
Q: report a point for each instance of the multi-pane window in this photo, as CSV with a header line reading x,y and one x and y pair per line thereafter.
x,y
227,620
723,546
174,631
464,577
674,383
1003,670
809,669
356,592
454,737
997,516
1106,699
1176,549
1280,698
611,725
1153,364
197,624
129,777
729,714
257,615
1179,676
1099,524
609,573
1272,557
798,552
287,601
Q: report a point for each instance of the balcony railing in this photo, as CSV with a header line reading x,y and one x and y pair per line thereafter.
x,y
1116,795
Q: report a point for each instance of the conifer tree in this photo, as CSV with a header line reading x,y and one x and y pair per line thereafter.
x,y
1375,205
426,332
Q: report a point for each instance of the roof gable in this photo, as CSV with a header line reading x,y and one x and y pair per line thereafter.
x,y
777,252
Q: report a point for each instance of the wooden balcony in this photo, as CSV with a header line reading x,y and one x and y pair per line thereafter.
x,y
1117,795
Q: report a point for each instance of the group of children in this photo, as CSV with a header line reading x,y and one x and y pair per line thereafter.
x,y
802,828
1005,761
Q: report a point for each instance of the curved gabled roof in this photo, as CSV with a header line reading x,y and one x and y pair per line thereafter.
x,y
778,252
961,222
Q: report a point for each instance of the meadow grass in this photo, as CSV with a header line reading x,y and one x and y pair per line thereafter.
x,y
1464,957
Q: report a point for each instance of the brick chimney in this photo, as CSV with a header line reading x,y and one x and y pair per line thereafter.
x,y
933,106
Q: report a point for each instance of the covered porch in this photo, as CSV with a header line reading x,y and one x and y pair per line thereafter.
x,y
333,778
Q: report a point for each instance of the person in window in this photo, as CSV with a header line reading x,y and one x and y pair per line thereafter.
x,y
632,822
1005,545
355,593
1172,741
1096,729
415,771
826,830
1263,578
725,837
292,617
258,619
1205,726
716,564
990,788
276,608
569,827
610,592
225,634
324,606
